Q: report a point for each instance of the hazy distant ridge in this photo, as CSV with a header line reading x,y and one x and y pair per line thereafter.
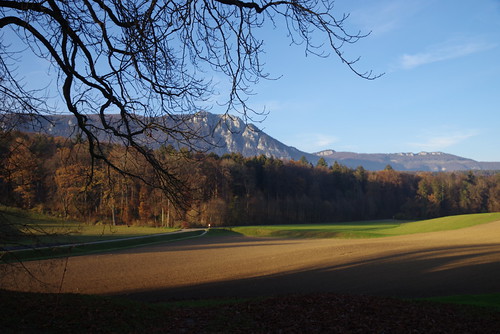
x,y
227,134
423,161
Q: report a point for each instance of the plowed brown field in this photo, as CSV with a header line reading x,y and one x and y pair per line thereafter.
x,y
465,261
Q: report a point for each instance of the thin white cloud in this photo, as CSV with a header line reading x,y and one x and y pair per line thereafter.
x,y
385,16
442,53
443,140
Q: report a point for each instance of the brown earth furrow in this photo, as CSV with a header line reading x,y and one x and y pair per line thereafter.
x,y
439,263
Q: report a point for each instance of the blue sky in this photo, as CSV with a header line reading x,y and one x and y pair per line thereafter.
x,y
440,91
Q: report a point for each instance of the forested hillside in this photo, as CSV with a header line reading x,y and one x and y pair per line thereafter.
x,y
56,175
225,134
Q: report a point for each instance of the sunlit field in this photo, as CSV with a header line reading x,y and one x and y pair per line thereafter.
x,y
367,229
316,267
32,228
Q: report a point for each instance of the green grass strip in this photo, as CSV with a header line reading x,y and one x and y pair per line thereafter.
x,y
488,301
367,229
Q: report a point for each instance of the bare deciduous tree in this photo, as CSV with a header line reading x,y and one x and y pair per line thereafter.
x,y
148,63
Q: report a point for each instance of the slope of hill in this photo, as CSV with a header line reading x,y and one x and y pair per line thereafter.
x,y
226,134
423,161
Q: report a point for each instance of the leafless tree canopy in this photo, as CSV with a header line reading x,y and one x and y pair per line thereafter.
x,y
150,61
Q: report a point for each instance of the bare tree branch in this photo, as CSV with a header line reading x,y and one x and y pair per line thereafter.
x,y
144,66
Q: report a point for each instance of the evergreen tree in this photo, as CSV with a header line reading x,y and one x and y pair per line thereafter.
x,y
303,161
322,163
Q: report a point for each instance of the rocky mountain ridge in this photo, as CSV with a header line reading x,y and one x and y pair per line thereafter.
x,y
223,134
422,161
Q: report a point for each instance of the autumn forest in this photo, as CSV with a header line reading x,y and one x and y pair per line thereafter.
x,y
57,176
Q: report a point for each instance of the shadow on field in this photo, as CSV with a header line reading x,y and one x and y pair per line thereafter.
x,y
472,269
213,241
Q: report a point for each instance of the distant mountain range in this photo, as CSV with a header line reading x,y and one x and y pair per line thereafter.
x,y
423,161
226,134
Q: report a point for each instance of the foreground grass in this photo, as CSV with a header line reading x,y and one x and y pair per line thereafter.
x,y
487,301
367,229
70,313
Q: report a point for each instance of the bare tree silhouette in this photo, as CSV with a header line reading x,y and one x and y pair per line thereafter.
x,y
147,63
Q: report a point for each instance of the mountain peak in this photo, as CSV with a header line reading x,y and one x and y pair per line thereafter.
x,y
325,153
430,153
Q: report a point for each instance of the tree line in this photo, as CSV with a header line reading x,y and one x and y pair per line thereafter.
x,y
58,176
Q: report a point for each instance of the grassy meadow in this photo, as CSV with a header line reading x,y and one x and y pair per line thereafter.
x,y
367,229
23,229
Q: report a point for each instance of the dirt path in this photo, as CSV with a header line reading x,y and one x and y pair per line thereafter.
x,y
429,264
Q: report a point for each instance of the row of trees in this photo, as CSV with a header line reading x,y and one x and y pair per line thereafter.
x,y
57,175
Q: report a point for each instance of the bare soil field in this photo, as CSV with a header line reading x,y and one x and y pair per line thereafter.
x,y
465,261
